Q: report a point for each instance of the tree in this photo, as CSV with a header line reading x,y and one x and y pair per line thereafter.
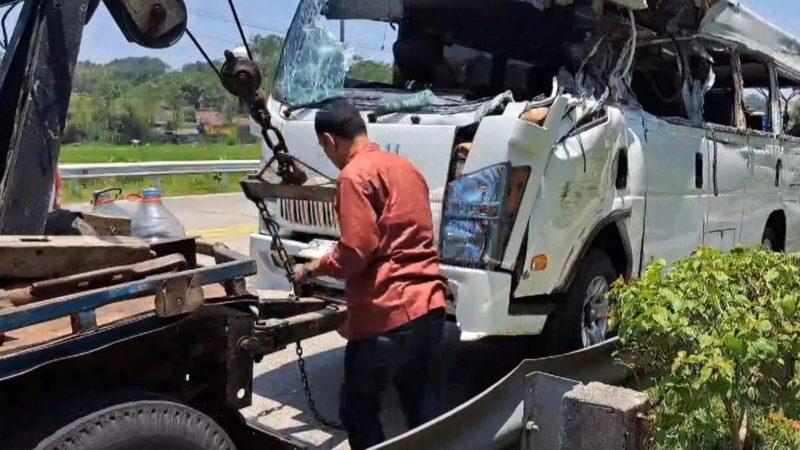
x,y
82,120
370,71
197,66
90,77
123,97
137,68
107,95
266,49
134,117
267,52
193,95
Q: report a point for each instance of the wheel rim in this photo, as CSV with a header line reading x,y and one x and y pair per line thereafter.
x,y
594,325
766,244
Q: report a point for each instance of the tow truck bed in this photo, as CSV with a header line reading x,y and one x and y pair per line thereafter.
x,y
134,337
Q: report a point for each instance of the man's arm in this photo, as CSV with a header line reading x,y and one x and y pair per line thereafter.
x,y
359,233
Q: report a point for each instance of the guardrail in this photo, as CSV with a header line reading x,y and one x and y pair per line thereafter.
x,y
496,419
144,169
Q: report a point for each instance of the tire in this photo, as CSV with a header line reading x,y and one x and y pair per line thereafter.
x,y
151,425
564,330
769,241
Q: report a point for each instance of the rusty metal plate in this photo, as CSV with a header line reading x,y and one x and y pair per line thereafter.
x,y
256,189
178,296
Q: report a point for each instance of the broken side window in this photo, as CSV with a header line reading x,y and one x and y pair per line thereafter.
x,y
720,101
757,94
657,81
789,101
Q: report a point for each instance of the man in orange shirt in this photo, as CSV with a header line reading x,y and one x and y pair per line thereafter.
x,y
395,291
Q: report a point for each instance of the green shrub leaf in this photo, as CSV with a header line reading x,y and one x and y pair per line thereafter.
x,y
720,333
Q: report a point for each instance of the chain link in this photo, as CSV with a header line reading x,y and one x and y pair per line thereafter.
x,y
312,405
289,173
278,249
287,262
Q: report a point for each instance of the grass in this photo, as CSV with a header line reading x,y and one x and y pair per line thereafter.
x,y
105,153
80,191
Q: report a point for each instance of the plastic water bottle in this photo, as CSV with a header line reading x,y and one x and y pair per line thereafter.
x,y
104,202
153,220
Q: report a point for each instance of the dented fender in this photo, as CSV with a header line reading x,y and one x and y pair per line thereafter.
x,y
575,191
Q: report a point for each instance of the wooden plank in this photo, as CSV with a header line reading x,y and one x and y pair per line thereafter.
x,y
36,257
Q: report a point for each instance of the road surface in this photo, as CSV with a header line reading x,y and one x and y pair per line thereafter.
x,y
278,398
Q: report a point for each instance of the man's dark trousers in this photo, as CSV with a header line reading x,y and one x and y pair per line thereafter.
x,y
408,356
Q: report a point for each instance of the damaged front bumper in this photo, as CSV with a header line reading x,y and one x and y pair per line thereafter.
x,y
480,299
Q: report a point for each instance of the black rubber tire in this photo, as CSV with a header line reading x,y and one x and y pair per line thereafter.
x,y
151,425
772,236
562,332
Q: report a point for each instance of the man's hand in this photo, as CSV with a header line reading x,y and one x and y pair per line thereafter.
x,y
303,273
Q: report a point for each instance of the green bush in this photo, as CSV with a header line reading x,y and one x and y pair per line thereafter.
x,y
718,332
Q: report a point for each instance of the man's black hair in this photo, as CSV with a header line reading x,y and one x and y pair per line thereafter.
x,y
341,119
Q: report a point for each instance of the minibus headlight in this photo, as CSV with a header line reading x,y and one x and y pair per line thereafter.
x,y
479,211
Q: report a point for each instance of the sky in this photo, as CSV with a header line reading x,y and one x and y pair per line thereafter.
x,y
212,24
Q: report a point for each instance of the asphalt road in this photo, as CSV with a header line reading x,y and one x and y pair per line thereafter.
x,y
279,401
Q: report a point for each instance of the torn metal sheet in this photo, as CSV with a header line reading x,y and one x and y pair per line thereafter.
x,y
428,102
598,4
631,4
732,22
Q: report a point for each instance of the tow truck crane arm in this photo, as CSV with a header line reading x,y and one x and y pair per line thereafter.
x,y
36,79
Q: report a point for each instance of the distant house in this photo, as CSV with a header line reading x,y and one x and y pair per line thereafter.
x,y
177,126
161,121
242,121
213,122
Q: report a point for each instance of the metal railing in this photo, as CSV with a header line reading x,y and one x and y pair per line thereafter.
x,y
160,168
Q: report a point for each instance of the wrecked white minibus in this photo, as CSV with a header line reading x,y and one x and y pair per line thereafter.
x,y
565,142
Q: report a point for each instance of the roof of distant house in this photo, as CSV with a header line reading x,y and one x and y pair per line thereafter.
x,y
211,118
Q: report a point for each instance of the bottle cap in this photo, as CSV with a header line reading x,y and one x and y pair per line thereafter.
x,y
151,195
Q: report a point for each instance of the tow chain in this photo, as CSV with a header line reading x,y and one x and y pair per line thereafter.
x,y
288,171
282,257
286,260
242,78
312,405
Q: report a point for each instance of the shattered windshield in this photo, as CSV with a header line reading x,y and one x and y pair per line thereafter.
x,y
399,55
322,57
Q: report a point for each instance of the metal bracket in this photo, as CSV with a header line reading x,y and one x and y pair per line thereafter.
x,y
178,296
542,419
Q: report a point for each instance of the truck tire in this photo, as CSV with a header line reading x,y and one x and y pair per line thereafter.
x,y
151,425
580,320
